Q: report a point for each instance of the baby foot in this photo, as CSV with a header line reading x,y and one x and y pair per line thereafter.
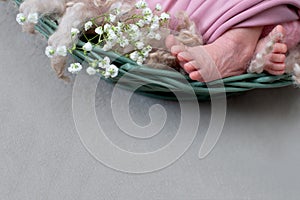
x,y
227,56
270,53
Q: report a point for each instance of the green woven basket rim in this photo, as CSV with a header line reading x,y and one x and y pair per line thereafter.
x,y
160,83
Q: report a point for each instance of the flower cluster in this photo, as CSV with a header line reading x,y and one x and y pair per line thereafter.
x,y
133,33
109,69
127,34
59,51
117,33
31,18
75,68
102,66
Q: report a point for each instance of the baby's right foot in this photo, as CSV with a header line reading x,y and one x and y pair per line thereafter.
x,y
274,62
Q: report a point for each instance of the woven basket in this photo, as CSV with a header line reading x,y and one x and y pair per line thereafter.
x,y
162,83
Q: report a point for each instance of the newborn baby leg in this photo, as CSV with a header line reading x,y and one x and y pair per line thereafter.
x,y
229,55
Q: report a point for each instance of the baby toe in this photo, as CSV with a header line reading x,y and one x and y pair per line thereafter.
x,y
184,56
277,58
278,33
276,73
275,68
280,48
196,76
190,67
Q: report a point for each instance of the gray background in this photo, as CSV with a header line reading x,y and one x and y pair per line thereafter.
x,y
42,157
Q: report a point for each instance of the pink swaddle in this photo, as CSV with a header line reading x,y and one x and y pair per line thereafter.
x,y
213,18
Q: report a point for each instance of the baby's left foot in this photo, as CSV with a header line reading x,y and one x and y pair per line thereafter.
x,y
270,60
227,56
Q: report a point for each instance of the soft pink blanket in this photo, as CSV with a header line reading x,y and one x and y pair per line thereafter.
x,y
214,17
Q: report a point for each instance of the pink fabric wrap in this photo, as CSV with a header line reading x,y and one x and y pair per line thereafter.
x,y
214,17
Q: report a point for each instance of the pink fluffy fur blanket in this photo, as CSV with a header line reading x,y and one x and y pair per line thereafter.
x,y
221,15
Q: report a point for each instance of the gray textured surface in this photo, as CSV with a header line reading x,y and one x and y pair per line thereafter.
x,y
41,156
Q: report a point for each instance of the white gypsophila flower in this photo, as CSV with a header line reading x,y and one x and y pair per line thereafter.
x,y
147,19
133,28
145,51
61,51
123,42
148,48
88,25
104,63
112,36
158,7
155,19
141,23
134,56
99,30
139,45
33,18
141,4
147,12
112,18
113,71
120,25
164,16
157,36
118,29
21,19
111,31
91,71
154,27
50,51
107,27
106,74
140,60
135,36
74,32
75,68
87,46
